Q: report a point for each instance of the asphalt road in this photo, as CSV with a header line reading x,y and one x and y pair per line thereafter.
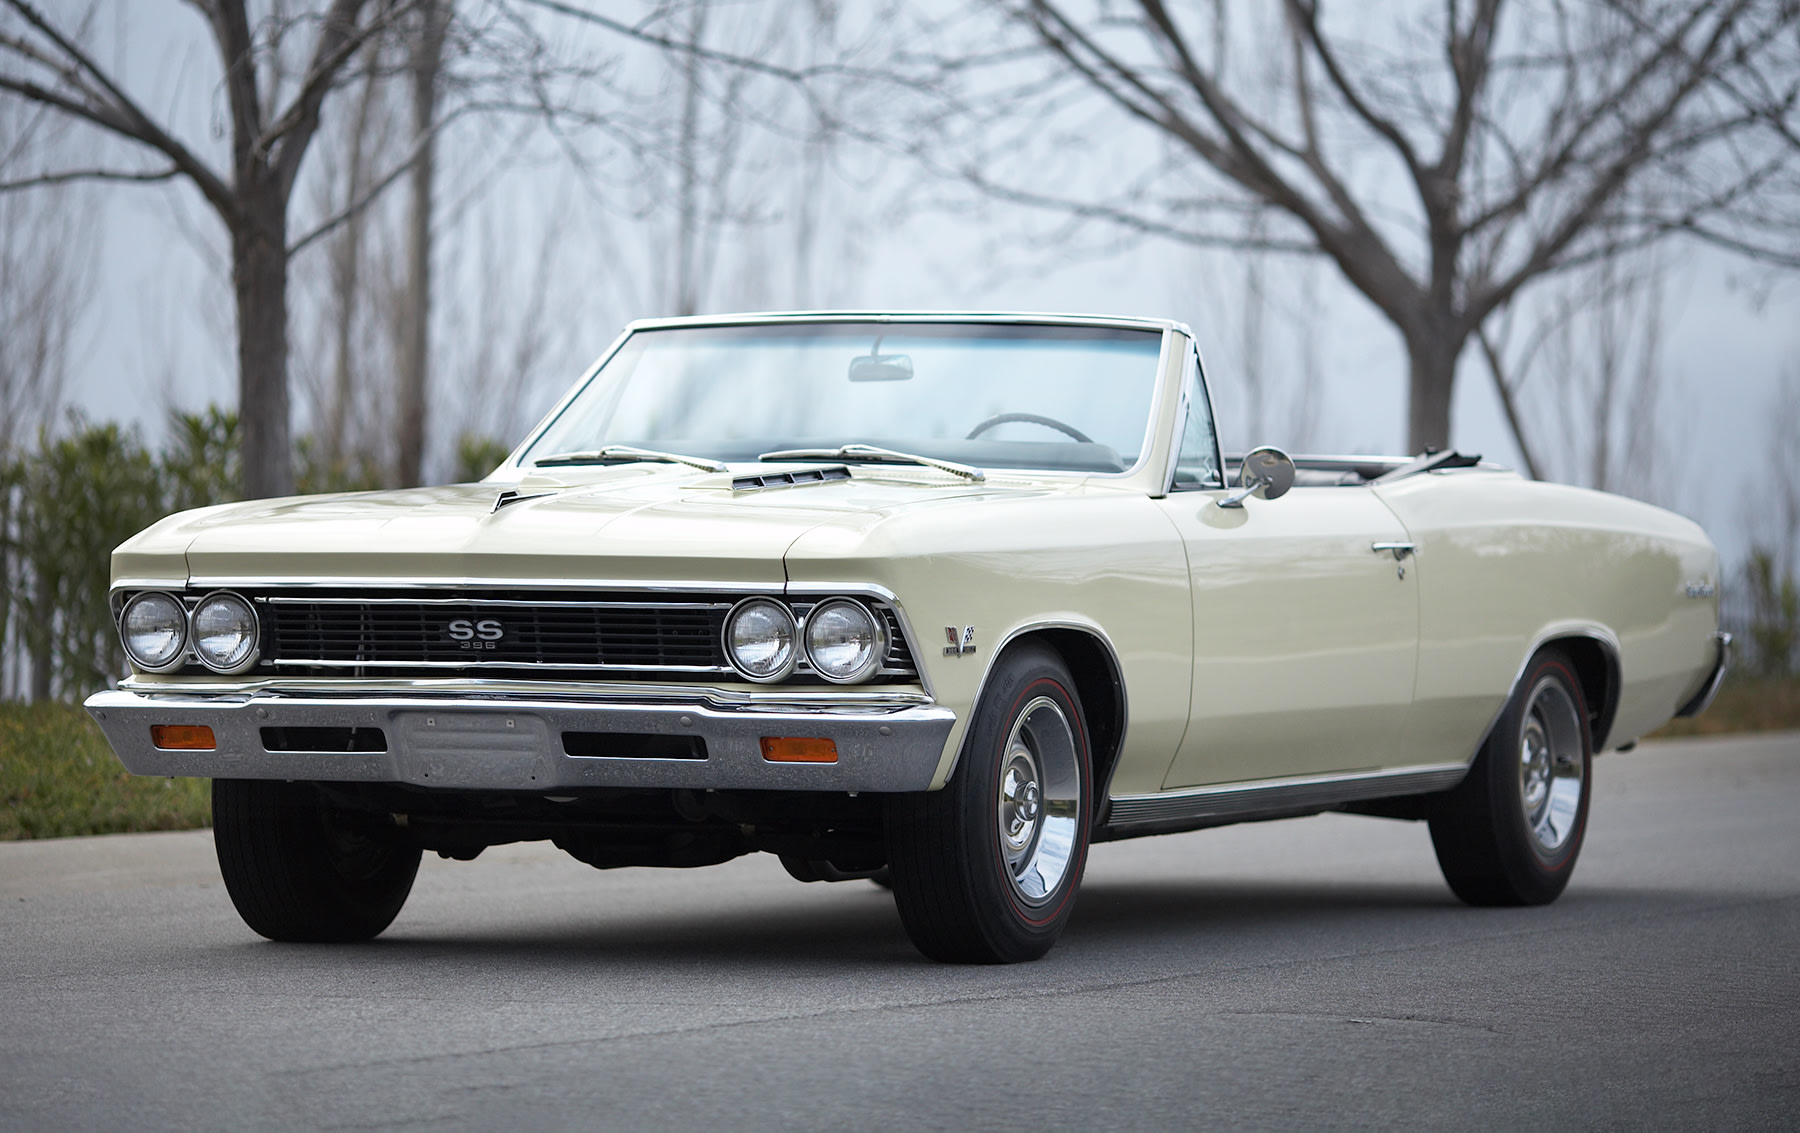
x,y
1300,974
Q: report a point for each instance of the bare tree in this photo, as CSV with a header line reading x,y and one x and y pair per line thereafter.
x,y
46,254
425,46
45,259
274,115
1444,159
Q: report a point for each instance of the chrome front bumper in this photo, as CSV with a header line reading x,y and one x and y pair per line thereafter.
x,y
520,744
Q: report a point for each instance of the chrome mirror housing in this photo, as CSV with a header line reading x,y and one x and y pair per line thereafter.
x,y
1266,473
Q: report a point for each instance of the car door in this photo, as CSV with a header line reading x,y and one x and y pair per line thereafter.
x,y
1305,635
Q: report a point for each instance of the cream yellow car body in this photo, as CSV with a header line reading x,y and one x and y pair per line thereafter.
x,y
1254,647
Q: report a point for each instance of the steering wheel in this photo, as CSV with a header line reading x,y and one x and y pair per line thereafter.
x,y
1029,419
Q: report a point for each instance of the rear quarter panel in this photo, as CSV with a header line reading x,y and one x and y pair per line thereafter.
x,y
1505,564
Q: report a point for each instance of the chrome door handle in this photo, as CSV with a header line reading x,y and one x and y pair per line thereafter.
x,y
1401,550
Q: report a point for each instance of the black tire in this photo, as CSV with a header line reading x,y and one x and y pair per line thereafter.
x,y
1498,840
297,872
966,891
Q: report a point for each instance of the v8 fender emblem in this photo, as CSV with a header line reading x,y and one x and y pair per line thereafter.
x,y
959,647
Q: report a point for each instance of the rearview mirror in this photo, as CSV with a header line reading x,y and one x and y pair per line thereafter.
x,y
1266,473
881,368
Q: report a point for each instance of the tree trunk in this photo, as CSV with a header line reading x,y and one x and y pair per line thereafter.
x,y
259,277
43,666
346,270
1432,354
428,51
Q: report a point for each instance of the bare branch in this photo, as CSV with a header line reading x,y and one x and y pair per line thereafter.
x,y
66,176
336,44
1306,13
116,112
329,58
1506,402
385,181
678,46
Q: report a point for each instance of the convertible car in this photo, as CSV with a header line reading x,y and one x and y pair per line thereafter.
x,y
937,600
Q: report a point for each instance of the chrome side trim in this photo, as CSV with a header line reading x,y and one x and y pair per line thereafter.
x,y
1229,801
518,744
1703,699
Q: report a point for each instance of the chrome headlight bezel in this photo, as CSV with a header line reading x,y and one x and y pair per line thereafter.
x,y
786,618
877,633
180,653
253,650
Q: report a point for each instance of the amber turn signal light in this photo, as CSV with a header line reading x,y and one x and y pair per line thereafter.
x,y
795,749
182,737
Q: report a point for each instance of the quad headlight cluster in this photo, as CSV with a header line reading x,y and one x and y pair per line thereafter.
x,y
159,631
841,638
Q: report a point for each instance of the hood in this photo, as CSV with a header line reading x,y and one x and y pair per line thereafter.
x,y
637,524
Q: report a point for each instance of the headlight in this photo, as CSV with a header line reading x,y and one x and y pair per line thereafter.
x,y
224,632
845,641
154,628
759,639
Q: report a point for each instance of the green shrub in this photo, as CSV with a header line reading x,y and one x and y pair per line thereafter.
x,y
59,779
64,506
476,456
1774,615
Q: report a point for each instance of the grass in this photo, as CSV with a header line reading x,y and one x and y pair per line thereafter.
x,y
1744,704
59,779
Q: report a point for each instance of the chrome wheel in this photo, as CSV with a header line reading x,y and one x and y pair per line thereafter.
x,y
1039,800
1551,766
986,870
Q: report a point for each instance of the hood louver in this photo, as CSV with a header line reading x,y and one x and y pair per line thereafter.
x,y
789,479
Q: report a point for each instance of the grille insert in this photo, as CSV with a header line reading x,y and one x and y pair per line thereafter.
x,y
561,635
549,636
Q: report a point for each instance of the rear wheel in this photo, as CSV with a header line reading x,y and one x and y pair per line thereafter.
x,y
1510,832
298,871
985,870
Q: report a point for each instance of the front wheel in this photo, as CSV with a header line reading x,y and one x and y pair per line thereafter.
x,y
1510,832
298,871
985,870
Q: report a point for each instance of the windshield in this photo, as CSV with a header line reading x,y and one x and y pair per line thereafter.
x,y
984,394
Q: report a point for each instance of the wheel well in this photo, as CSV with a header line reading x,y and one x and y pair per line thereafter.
x,y
1598,671
1101,688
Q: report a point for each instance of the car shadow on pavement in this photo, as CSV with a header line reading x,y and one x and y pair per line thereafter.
x,y
862,929
1178,905
1133,909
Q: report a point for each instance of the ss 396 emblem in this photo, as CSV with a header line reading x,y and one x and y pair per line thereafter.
x,y
472,634
958,648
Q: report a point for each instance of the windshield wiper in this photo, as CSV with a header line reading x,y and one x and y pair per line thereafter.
x,y
626,454
877,456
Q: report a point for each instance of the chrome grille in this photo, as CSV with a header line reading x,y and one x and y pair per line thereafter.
x,y
569,633
510,633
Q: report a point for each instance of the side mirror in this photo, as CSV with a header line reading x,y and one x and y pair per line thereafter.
x,y
1266,473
